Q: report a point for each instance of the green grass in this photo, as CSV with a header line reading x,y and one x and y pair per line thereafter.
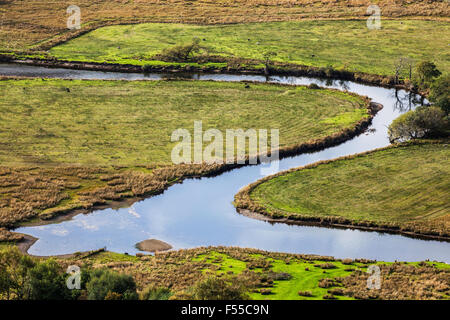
x,y
305,274
130,123
346,45
395,185
301,280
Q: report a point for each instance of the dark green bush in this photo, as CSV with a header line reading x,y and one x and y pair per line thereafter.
x,y
424,122
21,277
14,273
425,72
104,283
440,93
47,281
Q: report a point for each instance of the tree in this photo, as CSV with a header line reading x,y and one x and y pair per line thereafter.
x,y
14,273
267,56
420,123
47,282
440,93
400,65
426,71
214,288
104,283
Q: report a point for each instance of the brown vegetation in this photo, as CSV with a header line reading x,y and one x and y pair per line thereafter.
x,y
180,270
400,282
44,192
35,22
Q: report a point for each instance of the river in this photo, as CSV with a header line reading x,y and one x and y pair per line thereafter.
x,y
199,212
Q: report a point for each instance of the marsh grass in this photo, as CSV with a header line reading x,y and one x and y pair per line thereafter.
x,y
281,275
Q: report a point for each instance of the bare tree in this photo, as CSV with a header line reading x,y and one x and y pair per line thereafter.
x,y
267,56
402,64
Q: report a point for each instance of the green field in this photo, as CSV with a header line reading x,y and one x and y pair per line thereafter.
x,y
130,123
302,280
348,45
402,185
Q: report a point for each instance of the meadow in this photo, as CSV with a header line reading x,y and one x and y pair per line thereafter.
x,y
130,123
269,275
341,45
401,187
70,145
36,25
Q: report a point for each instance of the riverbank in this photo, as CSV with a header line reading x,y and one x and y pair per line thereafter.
x,y
278,69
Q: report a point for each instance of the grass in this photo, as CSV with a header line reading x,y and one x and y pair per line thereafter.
x,y
31,24
404,185
347,45
254,269
69,145
302,280
130,123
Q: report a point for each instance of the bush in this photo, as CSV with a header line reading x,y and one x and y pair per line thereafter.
x,y
214,288
422,123
181,53
47,282
14,273
105,284
305,293
440,93
155,293
313,86
426,71
23,278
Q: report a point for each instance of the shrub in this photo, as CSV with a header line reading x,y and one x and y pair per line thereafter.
x,y
313,86
14,273
347,261
146,68
426,71
336,292
421,123
47,282
214,288
265,292
155,293
181,53
104,284
440,93
276,276
305,293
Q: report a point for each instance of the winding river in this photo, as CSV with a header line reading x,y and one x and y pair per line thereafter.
x,y
199,212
